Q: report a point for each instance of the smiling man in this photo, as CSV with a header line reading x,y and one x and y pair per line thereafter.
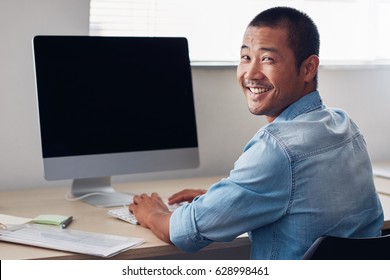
x,y
268,73
304,175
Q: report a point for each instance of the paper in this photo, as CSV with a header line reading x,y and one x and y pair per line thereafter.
x,y
8,220
102,245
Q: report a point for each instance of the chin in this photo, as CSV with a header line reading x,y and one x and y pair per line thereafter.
x,y
255,111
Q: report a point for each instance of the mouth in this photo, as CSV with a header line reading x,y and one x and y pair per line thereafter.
x,y
257,87
258,90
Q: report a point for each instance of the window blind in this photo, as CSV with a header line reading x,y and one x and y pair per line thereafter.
x,y
352,31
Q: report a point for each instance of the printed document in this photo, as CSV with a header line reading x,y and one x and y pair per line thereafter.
x,y
103,245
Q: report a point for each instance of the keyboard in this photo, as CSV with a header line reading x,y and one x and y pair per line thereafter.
x,y
124,214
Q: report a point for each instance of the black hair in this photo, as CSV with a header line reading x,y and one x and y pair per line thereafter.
x,y
303,36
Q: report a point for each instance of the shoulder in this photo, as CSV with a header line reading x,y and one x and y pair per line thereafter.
x,y
313,130
263,156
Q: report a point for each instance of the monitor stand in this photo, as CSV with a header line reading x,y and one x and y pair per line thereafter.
x,y
99,192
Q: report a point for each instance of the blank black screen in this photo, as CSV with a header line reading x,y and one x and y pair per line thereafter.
x,y
113,94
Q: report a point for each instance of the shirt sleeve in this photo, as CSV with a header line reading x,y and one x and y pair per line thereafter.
x,y
256,193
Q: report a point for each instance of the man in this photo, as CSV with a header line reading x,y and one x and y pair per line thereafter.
x,y
305,174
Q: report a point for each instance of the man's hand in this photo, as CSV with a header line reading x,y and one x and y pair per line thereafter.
x,y
186,195
152,213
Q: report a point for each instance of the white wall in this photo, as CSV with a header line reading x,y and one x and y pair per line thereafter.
x,y
224,122
20,20
365,94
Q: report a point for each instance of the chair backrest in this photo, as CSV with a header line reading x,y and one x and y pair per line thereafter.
x,y
342,248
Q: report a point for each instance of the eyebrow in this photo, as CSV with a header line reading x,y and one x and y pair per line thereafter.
x,y
270,49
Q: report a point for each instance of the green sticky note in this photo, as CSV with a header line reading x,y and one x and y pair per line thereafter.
x,y
55,220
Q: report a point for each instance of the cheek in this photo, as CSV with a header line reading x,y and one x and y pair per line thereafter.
x,y
281,80
239,73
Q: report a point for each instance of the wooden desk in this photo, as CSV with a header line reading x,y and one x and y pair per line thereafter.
x,y
30,203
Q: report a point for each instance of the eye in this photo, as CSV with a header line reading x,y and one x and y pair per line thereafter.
x,y
267,59
245,57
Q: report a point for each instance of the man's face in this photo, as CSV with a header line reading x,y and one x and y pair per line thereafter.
x,y
267,72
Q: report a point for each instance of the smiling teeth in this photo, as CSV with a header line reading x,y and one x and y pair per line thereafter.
x,y
258,90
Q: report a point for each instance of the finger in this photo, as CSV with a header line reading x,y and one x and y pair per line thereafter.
x,y
178,194
137,199
155,196
185,195
177,198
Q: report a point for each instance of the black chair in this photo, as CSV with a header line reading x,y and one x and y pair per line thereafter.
x,y
342,248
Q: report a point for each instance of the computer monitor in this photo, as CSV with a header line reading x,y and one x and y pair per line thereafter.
x,y
113,105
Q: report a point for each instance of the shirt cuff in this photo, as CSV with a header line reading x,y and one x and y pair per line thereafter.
x,y
183,231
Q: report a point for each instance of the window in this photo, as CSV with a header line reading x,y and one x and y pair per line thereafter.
x,y
352,31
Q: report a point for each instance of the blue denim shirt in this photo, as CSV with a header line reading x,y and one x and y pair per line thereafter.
x,y
305,175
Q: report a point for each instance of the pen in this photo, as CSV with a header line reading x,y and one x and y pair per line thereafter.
x,y
67,222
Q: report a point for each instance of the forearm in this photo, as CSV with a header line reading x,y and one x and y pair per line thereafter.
x,y
159,225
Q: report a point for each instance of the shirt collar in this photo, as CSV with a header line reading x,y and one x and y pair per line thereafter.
x,y
303,105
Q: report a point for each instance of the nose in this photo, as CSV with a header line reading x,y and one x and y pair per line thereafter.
x,y
254,71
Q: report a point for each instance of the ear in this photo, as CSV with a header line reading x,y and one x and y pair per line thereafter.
x,y
309,67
